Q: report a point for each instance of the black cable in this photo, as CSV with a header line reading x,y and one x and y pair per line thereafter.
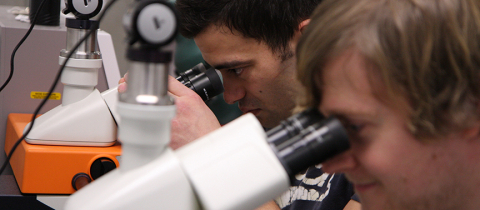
x,y
57,78
12,59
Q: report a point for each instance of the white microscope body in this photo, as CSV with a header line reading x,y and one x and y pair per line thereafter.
x,y
85,116
231,168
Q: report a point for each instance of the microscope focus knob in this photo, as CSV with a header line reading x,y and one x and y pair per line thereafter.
x,y
83,9
152,22
101,166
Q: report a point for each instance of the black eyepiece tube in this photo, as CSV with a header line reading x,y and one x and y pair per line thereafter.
x,y
205,82
186,76
293,125
313,145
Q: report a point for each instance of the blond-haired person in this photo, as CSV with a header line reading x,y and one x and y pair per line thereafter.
x,y
403,75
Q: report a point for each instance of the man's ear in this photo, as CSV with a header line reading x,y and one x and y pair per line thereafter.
x,y
298,33
303,25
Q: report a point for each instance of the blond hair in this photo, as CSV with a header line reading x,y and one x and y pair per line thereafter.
x,y
425,50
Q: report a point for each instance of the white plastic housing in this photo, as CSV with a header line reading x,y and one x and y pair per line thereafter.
x,y
234,167
230,168
85,123
111,99
144,133
85,116
79,78
110,64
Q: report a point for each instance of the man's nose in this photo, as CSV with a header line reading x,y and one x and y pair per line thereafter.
x,y
341,163
234,90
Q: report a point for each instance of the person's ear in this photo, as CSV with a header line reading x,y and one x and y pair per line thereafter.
x,y
303,25
299,32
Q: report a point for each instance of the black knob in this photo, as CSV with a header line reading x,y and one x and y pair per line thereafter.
x,y
101,166
80,180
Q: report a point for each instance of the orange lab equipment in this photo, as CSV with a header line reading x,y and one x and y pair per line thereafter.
x,y
46,169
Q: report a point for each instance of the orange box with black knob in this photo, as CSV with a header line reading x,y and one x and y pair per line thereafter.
x,y
46,169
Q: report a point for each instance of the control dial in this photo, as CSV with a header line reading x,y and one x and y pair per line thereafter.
x,y
83,9
151,22
101,166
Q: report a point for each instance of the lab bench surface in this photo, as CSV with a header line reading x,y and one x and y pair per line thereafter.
x,y
12,199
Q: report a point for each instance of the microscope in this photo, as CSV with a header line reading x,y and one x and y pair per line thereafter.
x,y
238,166
84,109
75,143
76,138
71,122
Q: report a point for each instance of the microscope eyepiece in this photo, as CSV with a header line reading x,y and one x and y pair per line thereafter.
x,y
312,145
205,82
293,125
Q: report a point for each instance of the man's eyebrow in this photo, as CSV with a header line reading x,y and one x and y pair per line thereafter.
x,y
232,64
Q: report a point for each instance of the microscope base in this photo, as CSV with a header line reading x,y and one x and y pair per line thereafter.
x,y
44,169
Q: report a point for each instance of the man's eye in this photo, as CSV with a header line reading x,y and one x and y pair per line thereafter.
x,y
237,71
355,128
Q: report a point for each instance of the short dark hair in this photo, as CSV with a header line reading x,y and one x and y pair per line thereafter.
x,y
273,22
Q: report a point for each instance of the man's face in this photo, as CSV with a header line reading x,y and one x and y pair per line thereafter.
x,y
253,75
388,166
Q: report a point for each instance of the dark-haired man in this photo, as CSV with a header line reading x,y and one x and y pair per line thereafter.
x,y
253,44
